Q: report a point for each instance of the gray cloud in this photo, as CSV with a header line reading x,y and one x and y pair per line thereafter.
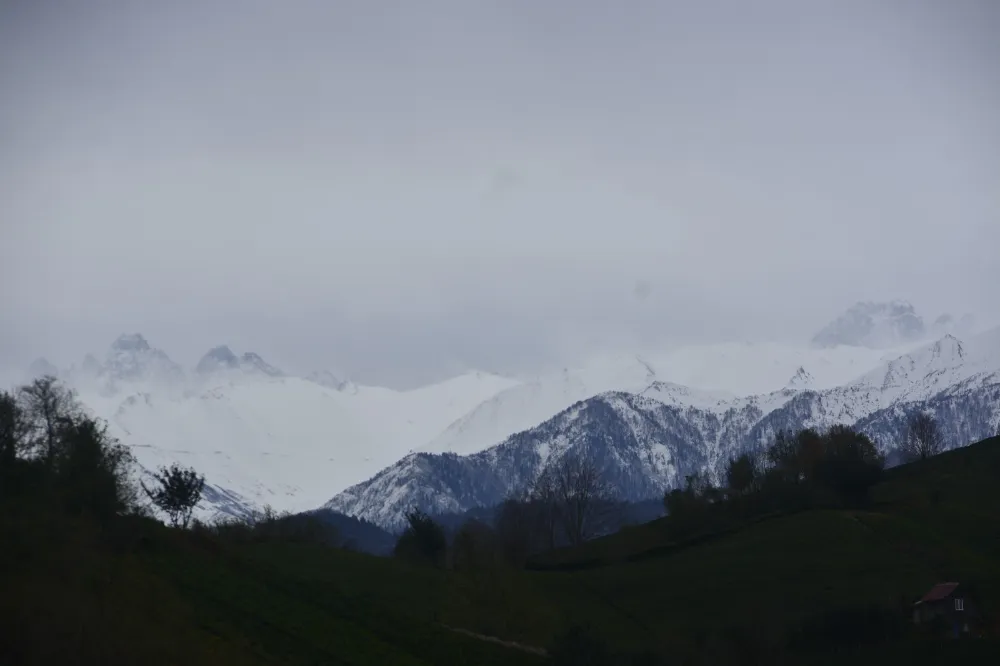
x,y
404,189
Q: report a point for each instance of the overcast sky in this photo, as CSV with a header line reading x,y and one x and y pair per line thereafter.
x,y
400,190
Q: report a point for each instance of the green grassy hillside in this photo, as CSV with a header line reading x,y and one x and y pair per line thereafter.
x,y
142,593
949,493
134,591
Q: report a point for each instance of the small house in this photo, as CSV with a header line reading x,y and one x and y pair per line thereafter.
x,y
948,609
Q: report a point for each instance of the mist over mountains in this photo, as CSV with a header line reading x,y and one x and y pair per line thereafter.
x,y
886,326
263,436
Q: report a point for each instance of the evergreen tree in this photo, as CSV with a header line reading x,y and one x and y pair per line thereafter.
x,y
92,469
422,541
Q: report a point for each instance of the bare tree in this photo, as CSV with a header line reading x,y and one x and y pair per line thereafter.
x,y
543,501
47,404
517,530
568,503
527,522
922,438
582,498
14,428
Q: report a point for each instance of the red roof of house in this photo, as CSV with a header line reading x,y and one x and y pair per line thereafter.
x,y
939,592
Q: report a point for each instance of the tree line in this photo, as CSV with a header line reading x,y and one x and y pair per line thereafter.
x,y
568,504
806,469
52,452
56,457
796,471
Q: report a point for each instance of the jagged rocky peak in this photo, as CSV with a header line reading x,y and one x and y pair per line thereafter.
x,y
949,348
217,358
252,361
222,358
802,379
130,342
930,365
946,352
132,358
873,325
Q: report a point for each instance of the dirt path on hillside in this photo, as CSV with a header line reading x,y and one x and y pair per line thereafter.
x,y
542,652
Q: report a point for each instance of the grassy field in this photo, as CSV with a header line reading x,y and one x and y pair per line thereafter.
x,y
146,594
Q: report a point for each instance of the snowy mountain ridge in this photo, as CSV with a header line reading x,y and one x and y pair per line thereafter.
x,y
646,442
802,379
260,436
703,375
131,358
221,359
264,437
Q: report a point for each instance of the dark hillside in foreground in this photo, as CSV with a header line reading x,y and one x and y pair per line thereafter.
x,y
142,593
357,534
628,514
808,586
952,493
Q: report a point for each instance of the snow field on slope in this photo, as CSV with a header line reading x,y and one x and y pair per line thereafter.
x,y
755,368
931,368
704,375
945,365
526,405
286,442
293,444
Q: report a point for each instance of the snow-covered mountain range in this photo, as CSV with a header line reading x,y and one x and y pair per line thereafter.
x,y
730,368
260,436
646,441
263,436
